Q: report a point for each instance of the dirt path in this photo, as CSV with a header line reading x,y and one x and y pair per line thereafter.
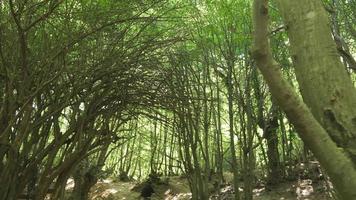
x,y
178,189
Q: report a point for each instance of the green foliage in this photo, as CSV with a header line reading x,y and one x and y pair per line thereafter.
x,y
137,88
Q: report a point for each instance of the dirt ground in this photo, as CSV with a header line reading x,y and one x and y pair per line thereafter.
x,y
178,189
108,189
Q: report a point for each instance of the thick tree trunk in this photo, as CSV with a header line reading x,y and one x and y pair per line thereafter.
x,y
338,166
325,85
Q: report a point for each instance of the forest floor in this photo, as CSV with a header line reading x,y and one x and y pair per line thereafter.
x,y
177,189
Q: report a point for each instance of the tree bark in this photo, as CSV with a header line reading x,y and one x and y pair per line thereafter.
x,y
270,133
231,131
324,83
337,165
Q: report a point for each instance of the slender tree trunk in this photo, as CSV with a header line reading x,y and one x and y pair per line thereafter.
x,y
270,133
219,146
231,131
248,150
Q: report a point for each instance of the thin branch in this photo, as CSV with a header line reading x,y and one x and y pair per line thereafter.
x,y
44,16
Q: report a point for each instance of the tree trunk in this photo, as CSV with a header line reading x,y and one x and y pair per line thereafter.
x,y
231,132
337,165
325,85
270,133
82,183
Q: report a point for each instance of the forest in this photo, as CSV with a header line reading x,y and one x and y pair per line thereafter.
x,y
177,99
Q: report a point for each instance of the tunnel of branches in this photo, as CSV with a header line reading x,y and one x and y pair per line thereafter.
x,y
144,89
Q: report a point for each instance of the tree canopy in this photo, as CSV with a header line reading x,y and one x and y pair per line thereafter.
x,y
142,89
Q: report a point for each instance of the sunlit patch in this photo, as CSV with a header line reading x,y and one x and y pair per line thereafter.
x,y
70,184
311,15
168,192
111,191
304,188
107,181
106,193
180,196
258,191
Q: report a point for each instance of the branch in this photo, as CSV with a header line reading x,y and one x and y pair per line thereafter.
x,y
14,15
308,128
344,51
44,16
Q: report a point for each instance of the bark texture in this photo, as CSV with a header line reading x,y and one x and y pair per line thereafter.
x,y
337,165
270,133
324,83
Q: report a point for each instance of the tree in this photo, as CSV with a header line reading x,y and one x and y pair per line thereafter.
x,y
309,129
317,63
